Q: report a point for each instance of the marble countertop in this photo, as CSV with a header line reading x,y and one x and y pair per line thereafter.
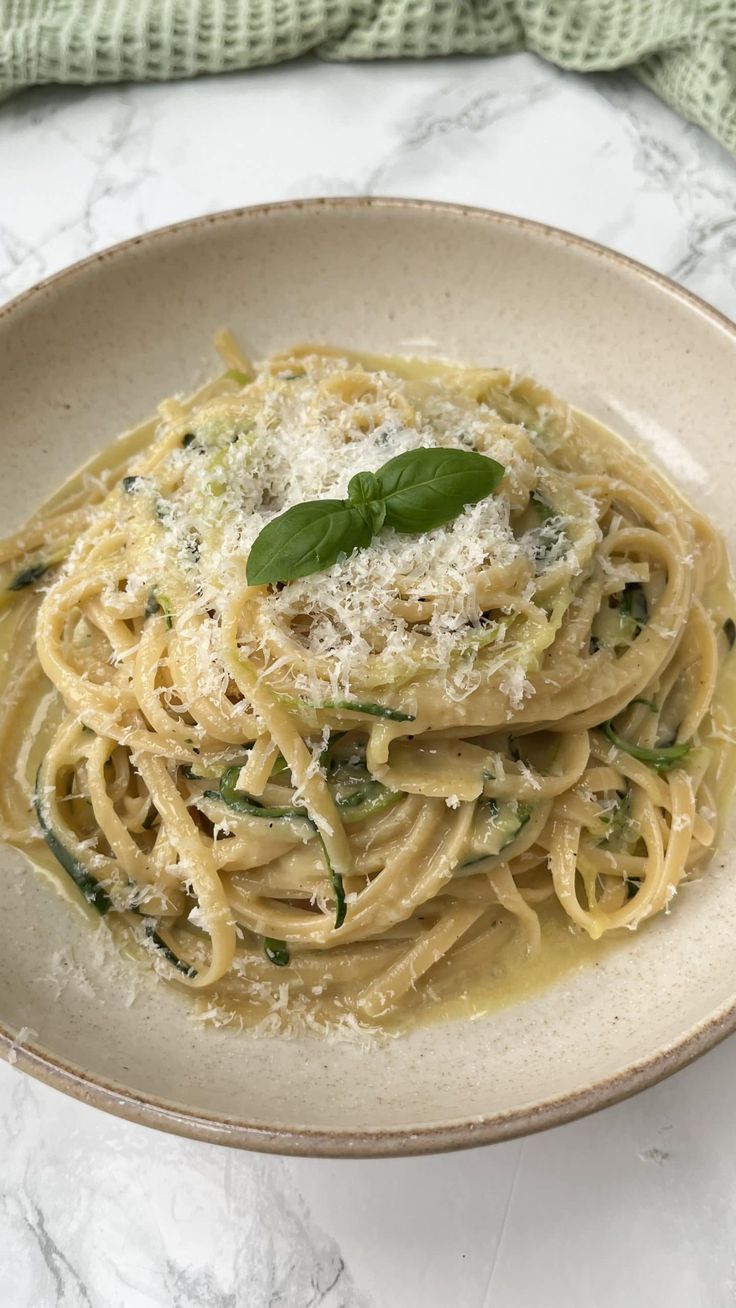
x,y
636,1206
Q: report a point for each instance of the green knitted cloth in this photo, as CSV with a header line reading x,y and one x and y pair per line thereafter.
x,y
684,49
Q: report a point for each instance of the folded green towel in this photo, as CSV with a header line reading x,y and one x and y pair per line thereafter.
x,y
684,49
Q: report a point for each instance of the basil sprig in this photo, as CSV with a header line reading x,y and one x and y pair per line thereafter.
x,y
414,492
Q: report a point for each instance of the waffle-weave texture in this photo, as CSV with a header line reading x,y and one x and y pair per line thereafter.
x,y
685,50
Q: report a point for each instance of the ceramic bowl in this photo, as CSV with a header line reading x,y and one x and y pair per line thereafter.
x,y
89,352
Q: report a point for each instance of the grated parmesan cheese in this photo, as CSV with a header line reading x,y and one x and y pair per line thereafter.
x,y
402,602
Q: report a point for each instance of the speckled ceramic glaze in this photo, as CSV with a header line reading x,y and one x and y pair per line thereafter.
x,y
91,351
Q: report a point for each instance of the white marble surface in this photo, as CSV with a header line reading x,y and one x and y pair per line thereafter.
x,y
634,1207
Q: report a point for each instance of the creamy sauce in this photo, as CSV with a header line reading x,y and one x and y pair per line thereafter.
x,y
513,975
487,977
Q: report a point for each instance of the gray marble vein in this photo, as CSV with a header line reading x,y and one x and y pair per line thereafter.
x,y
94,1212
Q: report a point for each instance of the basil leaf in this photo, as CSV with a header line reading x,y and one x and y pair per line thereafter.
x,y
307,538
365,496
363,488
414,492
373,514
425,488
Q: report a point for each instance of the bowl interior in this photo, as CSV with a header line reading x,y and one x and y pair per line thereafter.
x,y
89,353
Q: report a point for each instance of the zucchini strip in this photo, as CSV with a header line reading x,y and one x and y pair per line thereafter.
x,y
93,892
668,756
166,951
362,706
250,807
241,803
337,886
373,798
276,952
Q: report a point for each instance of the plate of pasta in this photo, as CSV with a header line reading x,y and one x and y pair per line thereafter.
x,y
374,692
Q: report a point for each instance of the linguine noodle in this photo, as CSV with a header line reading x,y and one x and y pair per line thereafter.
x,y
337,793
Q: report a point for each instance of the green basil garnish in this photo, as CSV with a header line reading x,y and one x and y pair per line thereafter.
x,y
425,488
306,539
364,492
414,492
